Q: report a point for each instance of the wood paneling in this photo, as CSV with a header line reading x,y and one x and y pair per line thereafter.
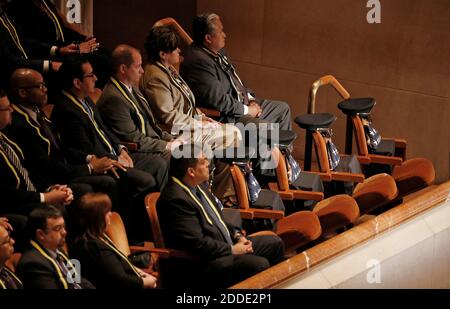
x,y
281,46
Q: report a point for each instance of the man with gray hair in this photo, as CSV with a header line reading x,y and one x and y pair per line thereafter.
x,y
215,82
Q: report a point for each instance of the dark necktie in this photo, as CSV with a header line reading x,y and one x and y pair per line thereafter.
x,y
90,113
14,159
146,111
46,127
9,281
212,214
65,270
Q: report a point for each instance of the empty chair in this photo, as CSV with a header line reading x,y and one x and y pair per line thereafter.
x,y
384,154
370,193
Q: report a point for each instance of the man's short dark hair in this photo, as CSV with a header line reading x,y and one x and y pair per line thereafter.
x,y
202,25
180,164
159,39
37,219
3,93
70,70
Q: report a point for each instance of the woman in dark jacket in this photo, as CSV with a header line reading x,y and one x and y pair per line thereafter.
x,y
103,263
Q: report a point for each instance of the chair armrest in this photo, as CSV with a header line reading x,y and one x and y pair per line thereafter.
x,y
363,159
267,214
399,143
385,159
350,177
246,214
307,195
130,145
324,176
285,195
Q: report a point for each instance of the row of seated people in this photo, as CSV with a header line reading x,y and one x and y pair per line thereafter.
x,y
129,116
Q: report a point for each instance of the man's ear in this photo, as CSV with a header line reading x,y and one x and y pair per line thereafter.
x,y
22,93
40,235
76,83
208,38
122,68
190,172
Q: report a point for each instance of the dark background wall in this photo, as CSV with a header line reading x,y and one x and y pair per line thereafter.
x,y
129,21
281,47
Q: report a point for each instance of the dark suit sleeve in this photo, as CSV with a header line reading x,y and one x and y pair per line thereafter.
x,y
109,264
36,275
185,229
18,201
202,76
117,117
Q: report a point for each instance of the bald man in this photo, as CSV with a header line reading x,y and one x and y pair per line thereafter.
x,y
40,143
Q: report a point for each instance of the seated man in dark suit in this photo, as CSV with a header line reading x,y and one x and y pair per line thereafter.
x,y
216,84
19,194
85,136
8,280
191,219
44,265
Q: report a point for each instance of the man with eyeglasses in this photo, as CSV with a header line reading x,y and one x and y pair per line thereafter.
x,y
45,264
215,82
18,191
42,146
86,137
8,280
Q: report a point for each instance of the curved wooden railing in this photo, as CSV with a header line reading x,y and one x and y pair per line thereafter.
x,y
324,80
301,263
169,21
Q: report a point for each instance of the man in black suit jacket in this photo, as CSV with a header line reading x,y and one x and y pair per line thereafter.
x,y
19,194
216,84
83,132
45,265
191,219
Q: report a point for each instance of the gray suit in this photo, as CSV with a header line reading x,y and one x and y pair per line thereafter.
x,y
215,86
134,122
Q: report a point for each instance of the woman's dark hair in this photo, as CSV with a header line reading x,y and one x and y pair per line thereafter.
x,y
160,39
92,209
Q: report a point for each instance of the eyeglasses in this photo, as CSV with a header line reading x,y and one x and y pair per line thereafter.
x,y
41,86
58,228
89,75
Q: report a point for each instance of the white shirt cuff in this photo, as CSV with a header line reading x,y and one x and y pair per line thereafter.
x,y
245,109
88,158
46,66
42,198
53,50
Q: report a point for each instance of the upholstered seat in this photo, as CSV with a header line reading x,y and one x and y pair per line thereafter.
x,y
313,122
355,106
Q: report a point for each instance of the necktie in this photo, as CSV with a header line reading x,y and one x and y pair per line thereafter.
x,y
45,125
90,113
65,270
14,159
9,281
212,214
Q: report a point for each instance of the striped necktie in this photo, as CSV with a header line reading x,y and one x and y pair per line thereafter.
x,y
65,270
14,159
